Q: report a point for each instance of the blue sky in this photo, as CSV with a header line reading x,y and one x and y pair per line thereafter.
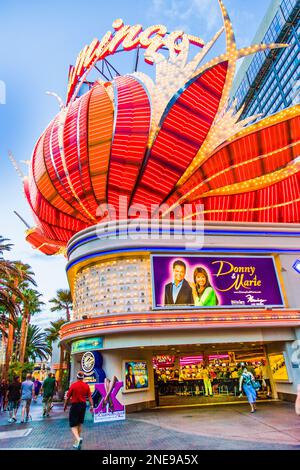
x,y
38,42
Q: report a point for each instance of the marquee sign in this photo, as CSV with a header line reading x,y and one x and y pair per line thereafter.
x,y
128,37
174,128
163,360
86,344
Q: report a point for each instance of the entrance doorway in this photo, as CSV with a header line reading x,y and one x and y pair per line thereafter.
x,y
188,376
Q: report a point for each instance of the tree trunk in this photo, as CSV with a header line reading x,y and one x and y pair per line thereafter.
x,y
60,372
67,361
68,314
9,348
11,336
23,338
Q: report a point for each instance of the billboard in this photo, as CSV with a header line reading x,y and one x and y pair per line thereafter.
x,y
86,344
109,407
136,376
214,281
91,364
278,367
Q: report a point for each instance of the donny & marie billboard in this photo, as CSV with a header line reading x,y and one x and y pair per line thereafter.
x,y
214,281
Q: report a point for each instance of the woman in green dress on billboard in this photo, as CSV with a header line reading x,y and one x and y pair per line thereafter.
x,y
203,293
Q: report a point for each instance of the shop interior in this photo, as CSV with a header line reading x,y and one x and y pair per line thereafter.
x,y
194,374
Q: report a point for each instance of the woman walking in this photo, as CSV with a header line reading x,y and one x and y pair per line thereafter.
x,y
246,381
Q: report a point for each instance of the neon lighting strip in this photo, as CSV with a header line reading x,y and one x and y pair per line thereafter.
x,y
179,250
72,246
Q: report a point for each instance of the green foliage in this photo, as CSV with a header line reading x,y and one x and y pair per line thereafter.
x,y
65,381
52,333
31,301
37,346
16,368
62,302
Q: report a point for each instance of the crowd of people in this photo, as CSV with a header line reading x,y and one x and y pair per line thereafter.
x,y
210,378
15,395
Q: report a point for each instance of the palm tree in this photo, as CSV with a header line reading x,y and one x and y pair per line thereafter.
x,y
53,330
18,283
31,305
62,302
5,266
53,336
37,345
7,271
12,274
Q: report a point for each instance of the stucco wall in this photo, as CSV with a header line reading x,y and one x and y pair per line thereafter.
x,y
291,279
113,365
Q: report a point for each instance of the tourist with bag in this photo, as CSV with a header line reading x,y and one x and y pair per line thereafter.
x,y
247,382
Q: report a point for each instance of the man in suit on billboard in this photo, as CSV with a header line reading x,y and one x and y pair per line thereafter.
x,y
178,292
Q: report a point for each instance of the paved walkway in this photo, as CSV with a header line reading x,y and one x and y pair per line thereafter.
x,y
273,426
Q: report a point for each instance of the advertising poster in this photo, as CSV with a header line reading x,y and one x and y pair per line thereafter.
x,y
109,408
136,376
91,364
86,344
215,282
278,367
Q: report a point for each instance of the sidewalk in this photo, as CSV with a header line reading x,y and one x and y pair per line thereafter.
x,y
273,426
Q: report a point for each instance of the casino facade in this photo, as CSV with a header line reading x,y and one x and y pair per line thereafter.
x,y
138,180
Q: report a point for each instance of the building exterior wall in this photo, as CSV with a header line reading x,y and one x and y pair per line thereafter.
x,y
269,81
135,330
286,389
113,361
97,291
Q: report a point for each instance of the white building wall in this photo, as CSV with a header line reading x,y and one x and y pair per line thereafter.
x,y
291,279
113,366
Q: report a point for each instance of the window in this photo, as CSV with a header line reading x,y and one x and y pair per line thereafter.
x,y
287,7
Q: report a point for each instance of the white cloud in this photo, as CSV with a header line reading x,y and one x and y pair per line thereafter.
x,y
43,319
204,15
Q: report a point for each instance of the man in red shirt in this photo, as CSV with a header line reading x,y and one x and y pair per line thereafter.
x,y
79,392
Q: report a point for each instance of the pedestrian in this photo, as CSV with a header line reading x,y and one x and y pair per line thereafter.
x,y
266,380
27,394
37,386
207,381
79,392
48,389
246,380
3,395
14,396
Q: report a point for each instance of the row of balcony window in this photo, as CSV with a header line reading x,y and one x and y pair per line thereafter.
x,y
274,29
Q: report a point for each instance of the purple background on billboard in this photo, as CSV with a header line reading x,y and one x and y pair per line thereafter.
x,y
269,290
117,406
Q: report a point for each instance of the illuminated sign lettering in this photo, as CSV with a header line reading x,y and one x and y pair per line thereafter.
x,y
152,39
87,344
88,362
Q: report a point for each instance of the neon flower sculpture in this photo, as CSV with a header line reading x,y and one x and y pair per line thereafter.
x,y
172,140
